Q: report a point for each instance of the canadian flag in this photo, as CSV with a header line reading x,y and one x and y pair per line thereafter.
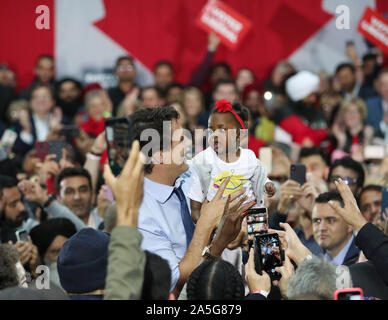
x,y
87,36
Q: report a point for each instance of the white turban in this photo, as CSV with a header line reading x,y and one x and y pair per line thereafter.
x,y
301,85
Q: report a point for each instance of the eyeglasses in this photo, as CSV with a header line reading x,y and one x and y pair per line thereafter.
x,y
349,181
125,68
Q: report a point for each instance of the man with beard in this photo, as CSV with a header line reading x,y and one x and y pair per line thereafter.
x,y
76,192
69,97
13,217
13,214
301,119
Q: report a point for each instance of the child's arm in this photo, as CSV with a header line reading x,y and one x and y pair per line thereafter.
x,y
195,210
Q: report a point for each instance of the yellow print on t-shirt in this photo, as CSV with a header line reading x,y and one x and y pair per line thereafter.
x,y
235,183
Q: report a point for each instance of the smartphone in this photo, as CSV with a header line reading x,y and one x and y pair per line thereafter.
x,y
349,294
298,173
257,223
55,147
70,131
41,150
384,201
8,138
119,138
265,156
21,235
268,254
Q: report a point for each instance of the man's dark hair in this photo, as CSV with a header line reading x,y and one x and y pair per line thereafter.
x,y
152,118
73,172
44,56
241,111
313,151
157,278
369,56
175,85
8,274
330,196
215,280
222,64
223,82
157,90
43,85
349,163
7,182
161,63
344,66
74,81
122,58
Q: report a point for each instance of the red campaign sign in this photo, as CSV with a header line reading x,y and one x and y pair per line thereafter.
x,y
227,23
374,27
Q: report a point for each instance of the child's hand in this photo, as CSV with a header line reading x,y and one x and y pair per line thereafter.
x,y
270,189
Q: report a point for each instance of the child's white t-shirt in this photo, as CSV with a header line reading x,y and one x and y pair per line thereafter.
x,y
240,171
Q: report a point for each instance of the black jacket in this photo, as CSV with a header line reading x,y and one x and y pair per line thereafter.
x,y
374,244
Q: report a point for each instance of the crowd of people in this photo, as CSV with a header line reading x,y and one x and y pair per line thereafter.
x,y
71,229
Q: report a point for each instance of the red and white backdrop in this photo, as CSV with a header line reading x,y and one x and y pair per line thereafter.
x,y
89,35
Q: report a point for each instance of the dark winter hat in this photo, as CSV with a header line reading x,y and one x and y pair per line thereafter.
x,y
44,234
83,261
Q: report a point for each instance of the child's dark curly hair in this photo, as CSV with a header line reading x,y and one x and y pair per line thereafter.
x,y
215,280
242,112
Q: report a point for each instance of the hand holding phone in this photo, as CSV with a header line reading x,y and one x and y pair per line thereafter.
x,y
119,140
268,254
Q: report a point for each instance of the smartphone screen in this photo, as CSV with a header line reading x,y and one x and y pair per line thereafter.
x,y
268,253
22,235
119,139
298,173
257,223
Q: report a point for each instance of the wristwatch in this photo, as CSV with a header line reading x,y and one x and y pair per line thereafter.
x,y
50,199
207,255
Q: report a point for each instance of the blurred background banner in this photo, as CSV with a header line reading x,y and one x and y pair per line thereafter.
x,y
87,36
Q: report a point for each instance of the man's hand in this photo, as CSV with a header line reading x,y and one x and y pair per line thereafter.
x,y
24,250
99,144
295,249
289,192
130,101
350,213
213,42
270,189
127,188
230,225
254,280
286,270
33,191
